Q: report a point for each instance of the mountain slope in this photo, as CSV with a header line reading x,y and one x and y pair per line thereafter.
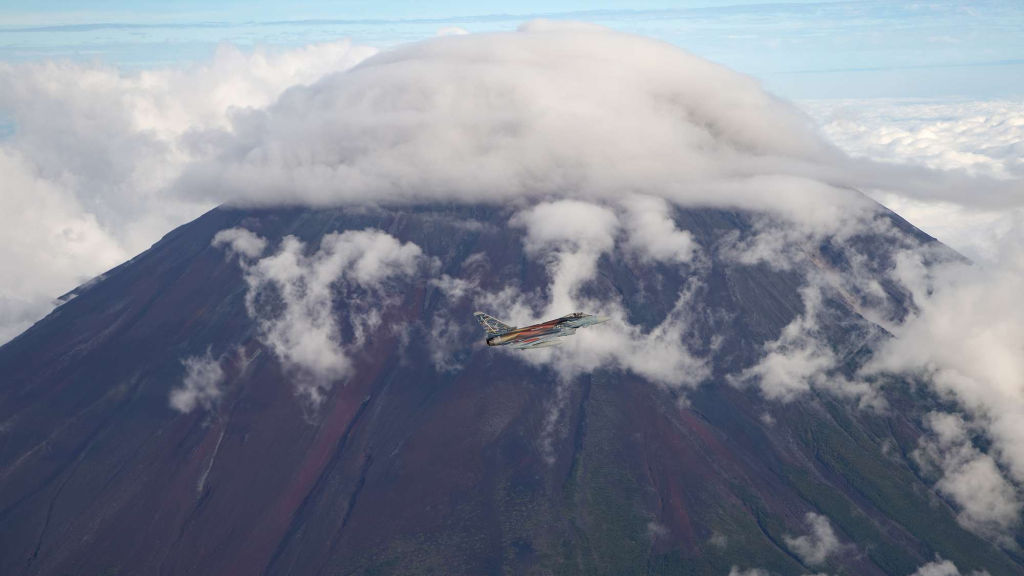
x,y
435,454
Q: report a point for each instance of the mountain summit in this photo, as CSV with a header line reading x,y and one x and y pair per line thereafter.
x,y
306,391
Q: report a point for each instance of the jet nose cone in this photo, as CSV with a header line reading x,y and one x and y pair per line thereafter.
x,y
600,319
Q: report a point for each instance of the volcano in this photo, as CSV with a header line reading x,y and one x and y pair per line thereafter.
x,y
416,449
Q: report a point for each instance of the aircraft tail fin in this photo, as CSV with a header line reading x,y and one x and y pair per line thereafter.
x,y
491,324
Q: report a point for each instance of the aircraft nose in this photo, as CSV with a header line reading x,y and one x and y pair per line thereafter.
x,y
601,319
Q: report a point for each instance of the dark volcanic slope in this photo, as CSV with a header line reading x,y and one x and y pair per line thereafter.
x,y
409,470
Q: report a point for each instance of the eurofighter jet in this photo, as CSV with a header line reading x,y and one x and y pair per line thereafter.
x,y
536,336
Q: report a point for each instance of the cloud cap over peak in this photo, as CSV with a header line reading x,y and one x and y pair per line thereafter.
x,y
551,109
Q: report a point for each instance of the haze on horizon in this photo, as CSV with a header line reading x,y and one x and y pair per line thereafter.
x,y
802,49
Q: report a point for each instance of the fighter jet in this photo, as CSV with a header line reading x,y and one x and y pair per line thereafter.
x,y
536,336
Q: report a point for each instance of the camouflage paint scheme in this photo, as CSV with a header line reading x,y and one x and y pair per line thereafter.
x,y
537,335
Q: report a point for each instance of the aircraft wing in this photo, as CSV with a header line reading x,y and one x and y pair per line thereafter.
x,y
491,324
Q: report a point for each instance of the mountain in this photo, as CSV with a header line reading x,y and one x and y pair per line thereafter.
x,y
426,452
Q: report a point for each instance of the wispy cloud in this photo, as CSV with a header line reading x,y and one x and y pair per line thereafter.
x,y
816,546
942,567
988,503
291,295
201,386
94,149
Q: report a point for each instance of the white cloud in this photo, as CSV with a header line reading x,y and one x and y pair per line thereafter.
x,y
652,231
568,224
801,358
241,242
494,117
569,235
736,571
85,175
304,334
201,387
963,338
988,503
937,568
780,247
979,136
942,567
977,234
966,339
657,531
48,244
452,287
291,295
797,359
981,139
446,336
815,547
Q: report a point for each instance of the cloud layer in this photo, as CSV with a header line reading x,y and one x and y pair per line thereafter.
x,y
553,109
86,173
550,109
982,139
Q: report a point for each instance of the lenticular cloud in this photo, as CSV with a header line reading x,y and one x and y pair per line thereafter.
x,y
547,110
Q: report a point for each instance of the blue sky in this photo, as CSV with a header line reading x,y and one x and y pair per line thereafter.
x,y
799,49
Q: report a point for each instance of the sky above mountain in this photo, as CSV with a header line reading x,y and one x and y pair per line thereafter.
x,y
801,49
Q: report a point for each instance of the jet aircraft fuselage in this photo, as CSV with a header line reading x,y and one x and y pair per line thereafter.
x,y
537,335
